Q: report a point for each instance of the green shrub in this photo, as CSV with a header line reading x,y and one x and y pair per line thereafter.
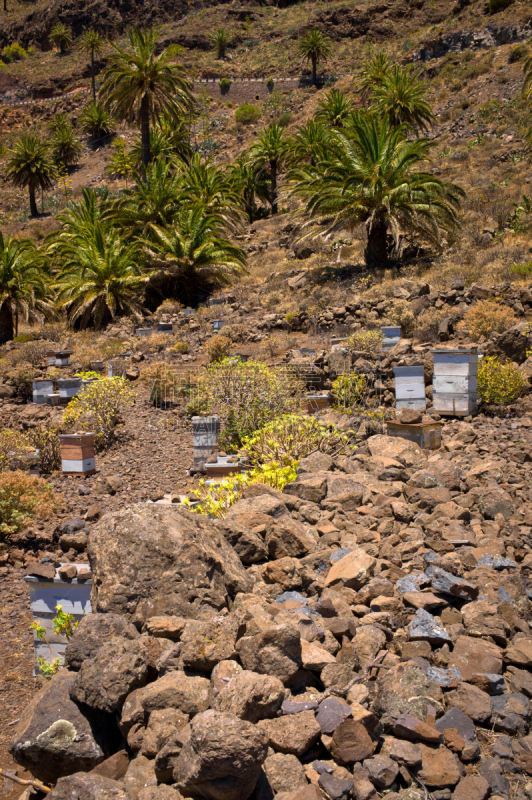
x,y
14,446
499,5
46,441
348,389
523,270
23,497
217,500
24,337
285,119
365,341
499,382
401,314
247,396
247,114
517,52
291,437
179,348
13,52
98,408
225,85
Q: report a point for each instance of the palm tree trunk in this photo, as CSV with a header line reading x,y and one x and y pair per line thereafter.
x,y
145,129
92,75
376,253
273,184
33,204
314,65
6,322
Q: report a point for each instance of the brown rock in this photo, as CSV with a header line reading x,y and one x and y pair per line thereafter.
x,y
293,733
68,572
405,753
471,700
453,740
475,655
351,742
114,767
314,656
472,787
408,727
250,696
353,570
276,651
439,767
520,652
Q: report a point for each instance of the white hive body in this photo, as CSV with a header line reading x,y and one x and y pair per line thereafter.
x,y
410,387
41,390
205,436
391,335
455,382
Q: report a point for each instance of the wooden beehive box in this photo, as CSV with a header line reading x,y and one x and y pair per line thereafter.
x,y
426,434
77,454
312,403
223,467
165,327
410,387
455,382
62,358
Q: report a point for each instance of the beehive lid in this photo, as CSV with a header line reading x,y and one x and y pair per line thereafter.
x,y
466,351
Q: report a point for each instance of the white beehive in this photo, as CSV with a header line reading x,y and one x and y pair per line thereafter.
x,y
165,327
410,387
205,436
41,390
68,388
391,336
143,331
455,382
73,596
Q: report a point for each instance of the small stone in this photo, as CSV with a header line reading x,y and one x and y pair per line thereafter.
x,y
405,753
331,713
382,771
425,626
351,742
472,787
408,727
335,788
68,572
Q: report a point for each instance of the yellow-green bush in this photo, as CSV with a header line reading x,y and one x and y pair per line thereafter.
x,y
46,441
217,500
499,382
98,408
485,317
14,446
179,348
22,498
162,381
291,437
401,314
349,389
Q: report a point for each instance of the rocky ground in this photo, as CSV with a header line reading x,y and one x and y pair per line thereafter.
x,y
365,630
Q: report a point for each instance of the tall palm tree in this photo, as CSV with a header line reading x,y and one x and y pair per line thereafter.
x,y
220,39
78,217
168,142
194,251
31,164
101,279
141,85
272,150
61,37
23,286
92,44
252,184
335,109
315,46
374,180
400,96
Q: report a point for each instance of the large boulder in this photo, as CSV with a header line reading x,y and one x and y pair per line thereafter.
x,y
158,560
515,342
57,737
92,632
88,786
222,759
105,681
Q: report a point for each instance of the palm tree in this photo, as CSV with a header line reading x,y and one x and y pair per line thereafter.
x,y
61,37
315,46
96,121
142,85
272,150
311,142
31,164
23,286
100,279
168,142
153,202
400,96
373,180
65,144
209,187
335,110
194,252
252,184
77,217
373,73
92,44
221,40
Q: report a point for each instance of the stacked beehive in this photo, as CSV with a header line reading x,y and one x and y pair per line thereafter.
x,y
410,387
77,454
455,382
